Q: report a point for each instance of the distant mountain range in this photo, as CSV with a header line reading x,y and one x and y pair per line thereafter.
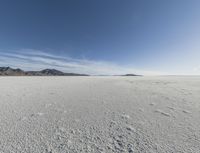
x,y
7,71
131,75
128,75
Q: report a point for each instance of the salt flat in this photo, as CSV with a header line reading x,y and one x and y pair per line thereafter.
x,y
100,114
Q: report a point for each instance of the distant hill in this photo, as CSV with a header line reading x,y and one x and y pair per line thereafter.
x,y
131,75
7,71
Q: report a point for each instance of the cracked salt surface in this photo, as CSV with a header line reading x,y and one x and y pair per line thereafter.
x,y
99,114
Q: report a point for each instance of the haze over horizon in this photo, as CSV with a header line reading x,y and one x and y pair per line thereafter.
x,y
102,37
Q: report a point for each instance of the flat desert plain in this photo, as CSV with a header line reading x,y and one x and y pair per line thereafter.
x,y
100,114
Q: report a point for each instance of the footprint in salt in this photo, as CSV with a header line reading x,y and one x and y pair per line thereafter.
x,y
125,116
171,108
49,149
104,102
77,120
48,105
62,129
40,114
130,148
141,109
152,104
130,128
37,114
23,118
186,111
162,112
72,131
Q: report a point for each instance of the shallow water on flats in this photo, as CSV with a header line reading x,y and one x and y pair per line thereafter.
x,y
100,114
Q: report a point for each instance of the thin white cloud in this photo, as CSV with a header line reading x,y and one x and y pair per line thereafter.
x,y
29,59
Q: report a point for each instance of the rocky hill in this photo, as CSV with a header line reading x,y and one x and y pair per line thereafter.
x,y
7,71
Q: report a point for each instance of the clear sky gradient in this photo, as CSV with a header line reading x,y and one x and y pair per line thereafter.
x,y
102,36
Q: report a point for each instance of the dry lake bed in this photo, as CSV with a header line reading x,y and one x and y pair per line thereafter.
x,y
100,114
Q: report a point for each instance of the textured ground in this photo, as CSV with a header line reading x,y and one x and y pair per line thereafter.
x,y
99,114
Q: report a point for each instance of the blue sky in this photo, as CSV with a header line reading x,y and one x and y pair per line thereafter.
x,y
101,36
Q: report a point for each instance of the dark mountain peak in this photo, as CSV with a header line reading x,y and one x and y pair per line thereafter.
x,y
11,71
4,68
51,72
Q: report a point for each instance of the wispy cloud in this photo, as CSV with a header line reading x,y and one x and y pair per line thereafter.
x,y
29,59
